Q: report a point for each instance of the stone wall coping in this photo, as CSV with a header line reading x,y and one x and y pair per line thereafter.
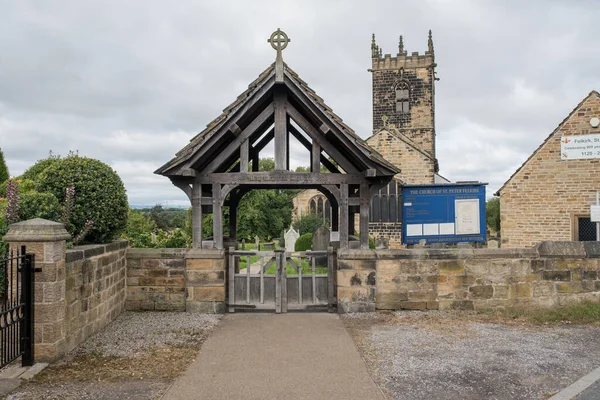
x,y
176,253
439,254
91,250
36,230
563,249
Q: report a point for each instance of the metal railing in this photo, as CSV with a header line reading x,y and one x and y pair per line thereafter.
x,y
16,316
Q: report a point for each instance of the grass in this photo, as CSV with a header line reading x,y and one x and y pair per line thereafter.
x,y
306,267
576,313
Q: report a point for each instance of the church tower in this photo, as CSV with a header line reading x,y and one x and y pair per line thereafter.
x,y
404,93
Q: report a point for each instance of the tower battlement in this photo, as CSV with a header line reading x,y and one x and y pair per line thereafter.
x,y
402,60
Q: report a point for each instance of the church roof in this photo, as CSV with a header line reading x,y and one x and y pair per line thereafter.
x,y
592,93
303,97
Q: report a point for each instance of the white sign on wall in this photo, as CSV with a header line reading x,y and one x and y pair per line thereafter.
x,y
595,213
467,216
579,147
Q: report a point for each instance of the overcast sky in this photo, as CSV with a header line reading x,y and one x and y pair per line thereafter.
x,y
130,82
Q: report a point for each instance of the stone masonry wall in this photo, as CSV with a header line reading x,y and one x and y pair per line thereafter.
x,y
388,230
416,167
94,289
552,273
418,124
190,280
544,198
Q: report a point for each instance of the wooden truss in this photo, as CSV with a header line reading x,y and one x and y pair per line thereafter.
x,y
220,165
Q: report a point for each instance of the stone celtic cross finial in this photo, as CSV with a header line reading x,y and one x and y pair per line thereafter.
x,y
279,41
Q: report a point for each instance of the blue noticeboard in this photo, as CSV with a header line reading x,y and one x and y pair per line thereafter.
x,y
443,213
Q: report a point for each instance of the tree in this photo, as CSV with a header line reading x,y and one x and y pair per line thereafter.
x,y
99,195
4,175
264,213
157,214
492,213
309,223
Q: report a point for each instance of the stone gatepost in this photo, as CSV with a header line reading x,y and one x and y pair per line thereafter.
x,y
47,240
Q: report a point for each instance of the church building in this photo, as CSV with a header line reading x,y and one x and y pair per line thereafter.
x,y
403,133
549,196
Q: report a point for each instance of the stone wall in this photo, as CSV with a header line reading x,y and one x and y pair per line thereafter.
x,y
417,166
544,197
551,273
77,291
389,230
190,280
94,289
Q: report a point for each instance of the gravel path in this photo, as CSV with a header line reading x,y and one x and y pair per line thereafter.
x,y
136,357
437,355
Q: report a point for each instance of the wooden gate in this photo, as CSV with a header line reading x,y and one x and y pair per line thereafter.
x,y
281,281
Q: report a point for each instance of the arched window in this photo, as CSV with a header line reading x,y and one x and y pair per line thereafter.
x,y
402,98
319,205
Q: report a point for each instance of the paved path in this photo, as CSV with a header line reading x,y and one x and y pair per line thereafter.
x,y
286,356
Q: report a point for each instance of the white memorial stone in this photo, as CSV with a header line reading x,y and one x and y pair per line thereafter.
x,y
291,236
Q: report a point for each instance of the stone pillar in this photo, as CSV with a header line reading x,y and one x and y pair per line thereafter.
x,y
47,240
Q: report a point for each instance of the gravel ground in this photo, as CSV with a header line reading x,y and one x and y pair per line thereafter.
x,y
136,357
437,355
133,332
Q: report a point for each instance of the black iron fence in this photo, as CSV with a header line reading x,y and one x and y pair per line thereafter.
x,y
16,317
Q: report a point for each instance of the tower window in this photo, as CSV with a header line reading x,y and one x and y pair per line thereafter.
x,y
402,98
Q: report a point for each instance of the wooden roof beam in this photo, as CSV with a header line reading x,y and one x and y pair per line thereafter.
x,y
328,164
262,119
317,136
283,178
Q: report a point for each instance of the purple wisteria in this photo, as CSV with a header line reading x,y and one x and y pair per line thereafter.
x,y
12,209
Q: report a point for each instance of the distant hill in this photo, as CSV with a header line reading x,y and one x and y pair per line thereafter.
x,y
165,206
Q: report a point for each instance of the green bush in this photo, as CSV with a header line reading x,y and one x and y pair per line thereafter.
x,y
38,205
24,185
304,242
33,172
309,223
176,239
139,230
4,175
99,195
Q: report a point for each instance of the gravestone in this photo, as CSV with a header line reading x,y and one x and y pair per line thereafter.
x,y
243,244
257,242
492,244
382,243
290,239
320,241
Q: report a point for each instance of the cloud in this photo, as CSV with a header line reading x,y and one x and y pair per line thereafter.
x,y
130,83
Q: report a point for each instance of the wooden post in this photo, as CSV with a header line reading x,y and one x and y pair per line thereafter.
x,y
231,294
217,216
244,156
330,280
233,206
344,216
284,296
277,281
280,100
315,158
197,215
335,217
365,201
